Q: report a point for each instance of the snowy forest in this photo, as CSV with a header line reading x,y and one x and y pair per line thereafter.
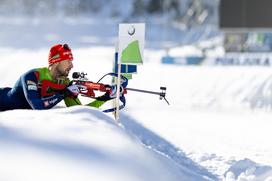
x,y
178,10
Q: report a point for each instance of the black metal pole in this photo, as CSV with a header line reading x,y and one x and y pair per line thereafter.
x,y
144,91
161,94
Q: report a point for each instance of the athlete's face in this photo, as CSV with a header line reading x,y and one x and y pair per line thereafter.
x,y
64,67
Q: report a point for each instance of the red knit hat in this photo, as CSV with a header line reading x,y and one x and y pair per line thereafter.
x,y
59,53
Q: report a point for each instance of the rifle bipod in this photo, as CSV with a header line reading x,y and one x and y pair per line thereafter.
x,y
162,94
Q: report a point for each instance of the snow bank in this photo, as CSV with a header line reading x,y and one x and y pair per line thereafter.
x,y
78,143
248,170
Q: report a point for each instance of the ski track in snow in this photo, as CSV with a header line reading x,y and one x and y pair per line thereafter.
x,y
202,164
156,143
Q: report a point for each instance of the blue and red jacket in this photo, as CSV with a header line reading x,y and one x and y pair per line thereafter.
x,y
36,89
27,92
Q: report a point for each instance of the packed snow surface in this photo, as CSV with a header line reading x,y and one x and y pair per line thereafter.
x,y
217,126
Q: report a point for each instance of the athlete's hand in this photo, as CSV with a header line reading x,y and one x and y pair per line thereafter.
x,y
71,91
113,91
111,94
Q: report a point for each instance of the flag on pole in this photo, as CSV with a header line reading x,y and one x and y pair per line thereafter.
x,y
131,43
130,51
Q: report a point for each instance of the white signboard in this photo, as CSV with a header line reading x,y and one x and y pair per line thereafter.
x,y
131,43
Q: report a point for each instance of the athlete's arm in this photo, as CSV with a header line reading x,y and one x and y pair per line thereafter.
x,y
33,96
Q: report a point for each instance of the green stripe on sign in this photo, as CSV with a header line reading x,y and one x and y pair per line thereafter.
x,y
131,54
128,76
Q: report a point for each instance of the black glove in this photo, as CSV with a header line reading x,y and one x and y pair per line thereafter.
x,y
104,97
111,94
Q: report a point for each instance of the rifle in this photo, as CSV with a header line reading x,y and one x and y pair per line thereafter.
x,y
87,88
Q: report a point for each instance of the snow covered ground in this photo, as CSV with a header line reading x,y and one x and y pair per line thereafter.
x,y
218,124
217,127
79,144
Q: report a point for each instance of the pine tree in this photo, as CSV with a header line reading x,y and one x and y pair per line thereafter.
x,y
155,6
139,7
